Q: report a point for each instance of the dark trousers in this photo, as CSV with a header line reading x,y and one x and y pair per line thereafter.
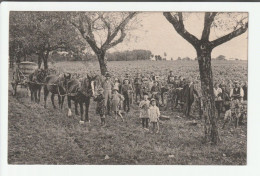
x,y
126,102
138,92
145,122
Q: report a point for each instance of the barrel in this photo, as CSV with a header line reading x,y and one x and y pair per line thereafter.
x,y
27,67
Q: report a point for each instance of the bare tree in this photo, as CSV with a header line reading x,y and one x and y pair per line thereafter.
x,y
204,48
103,30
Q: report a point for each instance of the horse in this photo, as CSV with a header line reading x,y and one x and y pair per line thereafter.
x,y
36,79
56,85
80,91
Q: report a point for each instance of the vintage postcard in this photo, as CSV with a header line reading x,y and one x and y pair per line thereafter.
x,y
127,87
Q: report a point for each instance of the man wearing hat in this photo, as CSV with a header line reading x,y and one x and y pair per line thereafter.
x,y
107,85
126,91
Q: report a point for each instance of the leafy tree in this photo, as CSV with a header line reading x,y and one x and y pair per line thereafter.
x,y
233,24
42,33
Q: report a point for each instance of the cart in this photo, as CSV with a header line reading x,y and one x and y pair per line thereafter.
x,y
21,74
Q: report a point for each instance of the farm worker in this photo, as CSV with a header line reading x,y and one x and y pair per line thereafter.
x,y
227,106
237,93
138,86
154,114
156,90
116,103
197,87
188,93
218,98
127,91
245,91
107,85
171,78
144,107
101,108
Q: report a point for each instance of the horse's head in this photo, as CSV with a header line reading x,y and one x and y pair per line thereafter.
x,y
88,85
63,81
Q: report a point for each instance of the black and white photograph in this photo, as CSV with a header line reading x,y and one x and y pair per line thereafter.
x,y
127,88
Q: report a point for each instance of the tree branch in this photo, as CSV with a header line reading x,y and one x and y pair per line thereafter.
x,y
208,19
119,40
91,43
229,36
179,27
117,29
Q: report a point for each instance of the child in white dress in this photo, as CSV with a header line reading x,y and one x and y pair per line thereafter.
x,y
154,114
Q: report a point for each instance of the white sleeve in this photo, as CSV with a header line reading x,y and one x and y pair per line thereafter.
x,y
231,92
158,112
241,92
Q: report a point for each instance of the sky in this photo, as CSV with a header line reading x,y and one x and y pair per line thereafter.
x,y
158,35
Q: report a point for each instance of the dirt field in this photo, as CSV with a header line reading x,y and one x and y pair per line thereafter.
x,y
48,136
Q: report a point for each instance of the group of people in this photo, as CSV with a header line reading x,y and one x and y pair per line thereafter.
x,y
116,95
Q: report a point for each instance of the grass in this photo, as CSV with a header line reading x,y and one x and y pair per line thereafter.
x,y
47,136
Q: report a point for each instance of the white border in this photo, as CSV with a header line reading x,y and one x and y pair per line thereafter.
x,y
254,86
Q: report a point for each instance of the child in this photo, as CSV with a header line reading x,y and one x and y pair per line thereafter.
x,y
154,114
144,107
101,108
116,103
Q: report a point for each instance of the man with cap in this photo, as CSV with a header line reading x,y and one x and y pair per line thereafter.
x,y
126,91
107,85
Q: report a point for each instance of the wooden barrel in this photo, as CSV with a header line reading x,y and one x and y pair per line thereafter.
x,y
27,67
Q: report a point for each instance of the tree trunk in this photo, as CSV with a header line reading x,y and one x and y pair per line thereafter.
x,y
102,62
39,61
45,60
210,125
45,63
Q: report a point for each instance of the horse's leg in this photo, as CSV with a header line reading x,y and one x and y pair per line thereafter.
x,y
35,94
81,112
39,94
46,93
52,100
76,108
31,90
62,101
69,105
59,100
87,102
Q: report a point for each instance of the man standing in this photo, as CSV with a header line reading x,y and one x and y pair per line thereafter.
x,y
107,85
126,91
237,93
245,91
138,86
188,93
171,78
